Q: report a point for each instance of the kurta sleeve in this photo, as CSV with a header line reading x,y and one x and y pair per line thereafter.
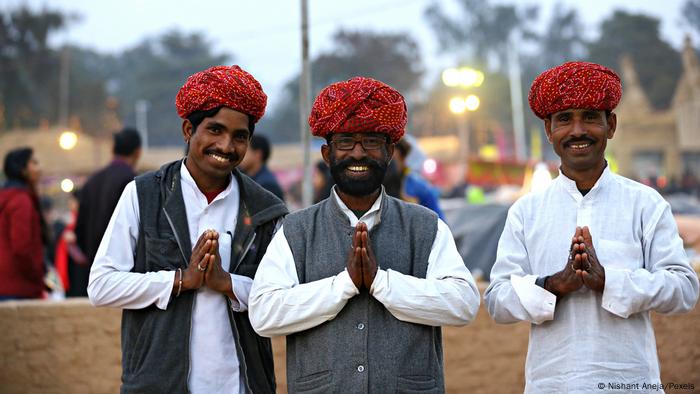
x,y
111,282
666,283
447,295
279,305
513,295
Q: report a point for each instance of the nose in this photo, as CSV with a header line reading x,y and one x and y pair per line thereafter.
x,y
358,152
578,129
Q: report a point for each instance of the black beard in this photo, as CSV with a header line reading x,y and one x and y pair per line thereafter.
x,y
358,187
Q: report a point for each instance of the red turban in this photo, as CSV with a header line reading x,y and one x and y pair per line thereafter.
x,y
221,86
358,105
579,85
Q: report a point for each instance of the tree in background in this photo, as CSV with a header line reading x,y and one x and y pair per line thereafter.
x,y
392,58
154,70
28,66
691,14
480,32
658,65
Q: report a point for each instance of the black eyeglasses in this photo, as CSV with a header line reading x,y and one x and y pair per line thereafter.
x,y
367,142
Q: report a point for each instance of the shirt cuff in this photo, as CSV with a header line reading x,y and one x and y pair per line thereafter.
x,y
167,294
613,292
343,281
538,302
241,289
380,283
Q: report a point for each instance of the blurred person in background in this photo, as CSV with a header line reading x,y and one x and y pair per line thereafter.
x,y
413,187
254,165
588,258
322,181
182,247
68,253
23,229
98,197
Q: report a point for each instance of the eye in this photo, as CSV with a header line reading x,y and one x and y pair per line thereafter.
x,y
214,129
241,136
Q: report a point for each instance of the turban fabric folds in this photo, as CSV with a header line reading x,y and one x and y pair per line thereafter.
x,y
358,105
219,86
580,85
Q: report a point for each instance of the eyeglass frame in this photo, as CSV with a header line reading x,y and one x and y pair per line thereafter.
x,y
361,141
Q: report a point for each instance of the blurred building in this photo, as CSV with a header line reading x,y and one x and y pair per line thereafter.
x,y
659,145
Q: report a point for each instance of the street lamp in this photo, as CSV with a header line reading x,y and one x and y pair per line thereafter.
x,y
68,140
460,105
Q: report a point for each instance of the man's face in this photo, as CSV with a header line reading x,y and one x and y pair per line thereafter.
x,y
358,171
579,137
218,144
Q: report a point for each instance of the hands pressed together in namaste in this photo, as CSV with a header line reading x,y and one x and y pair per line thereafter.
x,y
361,263
582,267
205,267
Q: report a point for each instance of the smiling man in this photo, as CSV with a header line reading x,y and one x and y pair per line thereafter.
x,y
587,259
185,326
361,282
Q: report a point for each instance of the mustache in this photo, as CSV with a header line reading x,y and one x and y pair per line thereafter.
x,y
229,156
577,140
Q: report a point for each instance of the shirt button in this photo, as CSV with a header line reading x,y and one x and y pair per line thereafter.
x,y
360,326
360,368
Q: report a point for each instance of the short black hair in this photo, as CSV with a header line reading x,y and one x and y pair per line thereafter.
x,y
261,143
16,162
126,142
403,147
197,117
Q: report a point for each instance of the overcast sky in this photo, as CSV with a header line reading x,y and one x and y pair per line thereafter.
x,y
264,35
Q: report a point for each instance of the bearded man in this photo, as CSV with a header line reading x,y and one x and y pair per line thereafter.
x,y
586,260
361,282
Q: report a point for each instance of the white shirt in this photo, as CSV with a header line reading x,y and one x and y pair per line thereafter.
x,y
586,338
279,305
214,365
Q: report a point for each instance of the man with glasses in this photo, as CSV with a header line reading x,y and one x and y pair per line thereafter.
x,y
361,282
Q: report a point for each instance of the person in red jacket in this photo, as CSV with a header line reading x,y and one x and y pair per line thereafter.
x,y
22,228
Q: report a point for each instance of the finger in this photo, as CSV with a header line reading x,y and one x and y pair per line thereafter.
x,y
356,238
214,248
198,253
577,262
586,233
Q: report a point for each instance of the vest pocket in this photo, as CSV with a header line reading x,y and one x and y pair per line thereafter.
x,y
162,254
416,384
316,383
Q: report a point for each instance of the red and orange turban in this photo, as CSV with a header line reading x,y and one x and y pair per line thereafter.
x,y
580,85
220,86
358,105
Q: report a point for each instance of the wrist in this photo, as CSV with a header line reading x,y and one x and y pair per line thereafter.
x,y
550,284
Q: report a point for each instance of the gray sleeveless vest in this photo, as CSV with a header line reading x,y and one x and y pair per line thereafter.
x,y
364,349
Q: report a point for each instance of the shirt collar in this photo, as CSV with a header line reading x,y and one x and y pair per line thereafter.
x,y
371,217
189,181
569,185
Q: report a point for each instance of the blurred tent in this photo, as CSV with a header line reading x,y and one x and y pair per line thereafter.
x,y
476,230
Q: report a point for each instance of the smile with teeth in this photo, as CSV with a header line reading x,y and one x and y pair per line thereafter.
x,y
358,168
581,145
218,158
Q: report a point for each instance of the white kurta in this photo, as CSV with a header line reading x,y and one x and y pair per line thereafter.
x,y
214,364
279,305
587,338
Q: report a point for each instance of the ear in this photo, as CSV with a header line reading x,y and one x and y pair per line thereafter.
x,y
612,124
187,130
326,154
548,129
